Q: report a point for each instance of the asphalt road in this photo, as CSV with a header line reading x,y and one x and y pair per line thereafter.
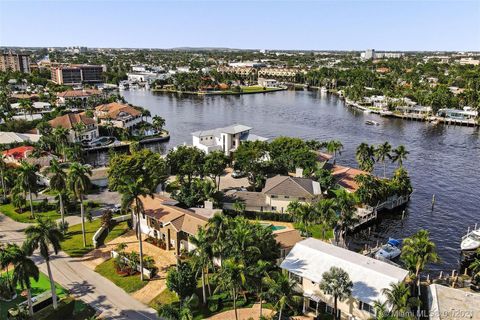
x,y
82,282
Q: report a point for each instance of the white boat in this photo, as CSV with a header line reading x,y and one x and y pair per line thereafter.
x,y
323,90
372,123
471,241
389,251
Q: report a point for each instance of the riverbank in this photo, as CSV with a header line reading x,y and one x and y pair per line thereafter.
x,y
245,90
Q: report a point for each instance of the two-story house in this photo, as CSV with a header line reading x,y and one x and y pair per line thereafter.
x,y
278,193
81,127
225,139
118,115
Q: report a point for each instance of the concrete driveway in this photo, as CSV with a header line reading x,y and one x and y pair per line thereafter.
x,y
81,281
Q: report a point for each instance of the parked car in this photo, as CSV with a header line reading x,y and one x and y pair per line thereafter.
x,y
238,174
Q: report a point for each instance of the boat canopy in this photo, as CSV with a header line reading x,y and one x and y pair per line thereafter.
x,y
394,242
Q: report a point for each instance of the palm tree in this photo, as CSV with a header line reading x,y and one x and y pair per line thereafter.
x,y
303,214
335,146
24,269
61,135
158,123
399,155
7,257
327,214
131,192
27,181
365,157
26,106
417,252
202,255
397,297
281,289
78,183
43,235
382,152
231,278
217,229
345,204
58,182
336,282
475,265
259,272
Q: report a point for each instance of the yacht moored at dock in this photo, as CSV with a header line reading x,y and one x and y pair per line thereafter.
x,y
471,241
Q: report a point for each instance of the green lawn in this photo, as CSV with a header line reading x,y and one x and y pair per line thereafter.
x,y
316,231
10,211
127,283
73,242
39,287
257,89
165,297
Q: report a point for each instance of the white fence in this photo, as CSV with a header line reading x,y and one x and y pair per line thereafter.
x,y
99,232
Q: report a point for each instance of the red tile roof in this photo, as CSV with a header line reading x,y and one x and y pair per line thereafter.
x,y
112,110
19,152
78,93
345,177
68,121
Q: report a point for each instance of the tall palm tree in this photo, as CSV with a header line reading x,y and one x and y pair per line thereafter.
x,y
27,107
418,251
327,213
365,157
202,255
399,155
24,269
336,282
158,123
58,183
78,183
382,152
335,146
131,192
345,204
397,297
7,257
43,235
259,271
217,229
282,291
61,135
231,278
303,214
27,181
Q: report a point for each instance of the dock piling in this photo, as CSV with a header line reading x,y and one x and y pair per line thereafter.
x,y
433,201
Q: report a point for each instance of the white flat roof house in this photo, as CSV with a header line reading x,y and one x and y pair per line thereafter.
x,y
310,258
225,139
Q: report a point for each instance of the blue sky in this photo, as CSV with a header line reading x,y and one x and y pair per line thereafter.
x,y
339,25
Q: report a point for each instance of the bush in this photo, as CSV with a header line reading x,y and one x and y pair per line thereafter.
x,y
214,303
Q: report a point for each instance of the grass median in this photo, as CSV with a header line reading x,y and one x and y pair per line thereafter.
x,y
128,283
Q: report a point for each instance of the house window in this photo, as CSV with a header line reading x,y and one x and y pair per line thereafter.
x,y
302,199
366,307
274,208
273,196
143,215
286,197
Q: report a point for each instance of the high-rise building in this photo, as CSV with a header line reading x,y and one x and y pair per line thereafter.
x,y
369,54
15,62
77,74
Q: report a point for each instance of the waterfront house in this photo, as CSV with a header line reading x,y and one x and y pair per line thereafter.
x,y
467,114
267,83
278,193
415,111
345,176
445,303
118,115
310,258
225,139
287,239
81,127
78,98
38,107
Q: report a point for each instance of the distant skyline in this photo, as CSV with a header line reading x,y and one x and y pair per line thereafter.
x,y
281,25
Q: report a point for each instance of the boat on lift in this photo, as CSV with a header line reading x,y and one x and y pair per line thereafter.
x,y
390,250
471,241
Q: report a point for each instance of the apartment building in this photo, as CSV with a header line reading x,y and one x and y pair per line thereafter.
x,y
77,74
15,62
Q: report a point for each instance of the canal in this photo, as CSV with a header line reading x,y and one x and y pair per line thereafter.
x,y
443,160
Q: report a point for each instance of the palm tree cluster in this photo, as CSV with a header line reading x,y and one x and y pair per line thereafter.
x,y
367,155
44,236
235,257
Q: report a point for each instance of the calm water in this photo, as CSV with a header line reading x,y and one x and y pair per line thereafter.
x,y
444,161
